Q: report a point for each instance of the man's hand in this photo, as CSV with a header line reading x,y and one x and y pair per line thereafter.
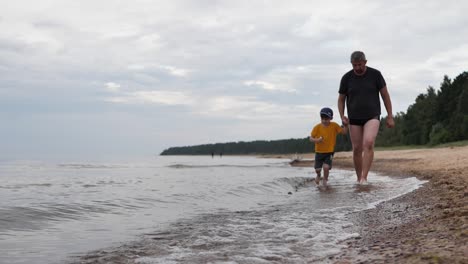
x,y
390,122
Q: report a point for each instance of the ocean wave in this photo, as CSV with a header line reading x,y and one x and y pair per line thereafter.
x,y
89,166
191,166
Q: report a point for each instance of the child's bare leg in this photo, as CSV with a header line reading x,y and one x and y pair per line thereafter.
x,y
317,179
326,172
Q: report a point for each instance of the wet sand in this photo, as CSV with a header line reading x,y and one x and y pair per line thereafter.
x,y
429,225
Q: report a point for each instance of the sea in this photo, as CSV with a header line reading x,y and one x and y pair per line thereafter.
x,y
181,209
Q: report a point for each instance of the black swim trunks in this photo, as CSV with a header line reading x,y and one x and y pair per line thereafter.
x,y
362,122
321,158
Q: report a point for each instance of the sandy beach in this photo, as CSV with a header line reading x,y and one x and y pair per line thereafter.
x,y
429,225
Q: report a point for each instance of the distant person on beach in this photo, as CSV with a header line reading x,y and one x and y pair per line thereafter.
x,y
360,89
324,136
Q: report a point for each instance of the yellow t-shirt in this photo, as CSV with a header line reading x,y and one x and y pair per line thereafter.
x,y
329,137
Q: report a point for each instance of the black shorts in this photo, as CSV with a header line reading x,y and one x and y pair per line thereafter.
x,y
321,158
362,122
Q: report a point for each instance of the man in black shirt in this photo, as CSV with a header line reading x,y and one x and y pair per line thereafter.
x,y
360,89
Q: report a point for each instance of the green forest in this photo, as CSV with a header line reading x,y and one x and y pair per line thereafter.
x,y
436,117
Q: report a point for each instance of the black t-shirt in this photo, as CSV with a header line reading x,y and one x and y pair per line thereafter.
x,y
362,93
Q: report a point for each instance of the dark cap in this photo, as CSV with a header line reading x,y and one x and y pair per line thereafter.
x,y
327,112
358,56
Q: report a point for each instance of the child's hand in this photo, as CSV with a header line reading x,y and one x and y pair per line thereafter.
x,y
320,139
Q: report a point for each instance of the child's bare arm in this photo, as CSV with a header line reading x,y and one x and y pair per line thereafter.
x,y
344,129
316,140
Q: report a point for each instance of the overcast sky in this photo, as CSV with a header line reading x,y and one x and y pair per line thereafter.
x,y
84,80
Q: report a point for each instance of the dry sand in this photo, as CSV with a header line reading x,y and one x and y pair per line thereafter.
x,y
429,225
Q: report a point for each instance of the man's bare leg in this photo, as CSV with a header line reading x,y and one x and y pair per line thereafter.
x,y
356,134
371,128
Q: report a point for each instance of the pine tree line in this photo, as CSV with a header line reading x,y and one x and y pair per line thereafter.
x,y
300,145
436,117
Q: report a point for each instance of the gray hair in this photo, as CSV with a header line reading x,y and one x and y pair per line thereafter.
x,y
358,56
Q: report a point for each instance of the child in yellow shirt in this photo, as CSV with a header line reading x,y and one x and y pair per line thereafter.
x,y
324,137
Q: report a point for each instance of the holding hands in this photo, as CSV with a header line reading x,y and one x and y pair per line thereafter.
x,y
345,120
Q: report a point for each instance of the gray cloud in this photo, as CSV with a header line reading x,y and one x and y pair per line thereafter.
x,y
222,70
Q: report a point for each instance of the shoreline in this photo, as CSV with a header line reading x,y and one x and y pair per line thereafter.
x,y
428,225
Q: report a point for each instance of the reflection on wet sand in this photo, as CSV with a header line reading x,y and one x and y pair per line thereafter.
x,y
363,188
326,189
